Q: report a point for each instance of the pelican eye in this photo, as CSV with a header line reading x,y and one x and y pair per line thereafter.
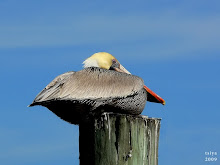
x,y
114,61
115,64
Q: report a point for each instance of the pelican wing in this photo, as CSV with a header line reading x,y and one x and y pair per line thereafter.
x,y
91,83
53,88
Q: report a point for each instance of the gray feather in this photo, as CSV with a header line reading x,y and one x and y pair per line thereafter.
x,y
73,95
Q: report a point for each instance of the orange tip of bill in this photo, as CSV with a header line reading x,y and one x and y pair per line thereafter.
x,y
156,97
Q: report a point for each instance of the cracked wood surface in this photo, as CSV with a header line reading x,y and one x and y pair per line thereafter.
x,y
119,139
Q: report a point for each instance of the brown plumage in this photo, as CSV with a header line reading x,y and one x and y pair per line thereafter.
x,y
74,96
103,86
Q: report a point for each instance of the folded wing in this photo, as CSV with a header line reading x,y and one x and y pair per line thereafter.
x,y
90,83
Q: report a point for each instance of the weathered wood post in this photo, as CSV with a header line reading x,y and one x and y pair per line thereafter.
x,y
119,139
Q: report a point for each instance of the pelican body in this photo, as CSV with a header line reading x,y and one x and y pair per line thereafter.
x,y
104,85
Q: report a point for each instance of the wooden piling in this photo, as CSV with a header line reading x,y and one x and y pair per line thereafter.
x,y
119,139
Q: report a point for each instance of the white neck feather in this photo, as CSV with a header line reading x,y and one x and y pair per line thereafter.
x,y
90,63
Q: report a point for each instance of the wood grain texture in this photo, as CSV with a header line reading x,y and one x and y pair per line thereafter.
x,y
119,139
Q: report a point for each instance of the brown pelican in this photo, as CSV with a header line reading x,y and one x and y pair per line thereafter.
x,y
103,85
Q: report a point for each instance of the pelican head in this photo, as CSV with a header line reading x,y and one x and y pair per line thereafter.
x,y
106,61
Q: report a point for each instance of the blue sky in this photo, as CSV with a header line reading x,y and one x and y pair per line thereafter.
x,y
173,45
